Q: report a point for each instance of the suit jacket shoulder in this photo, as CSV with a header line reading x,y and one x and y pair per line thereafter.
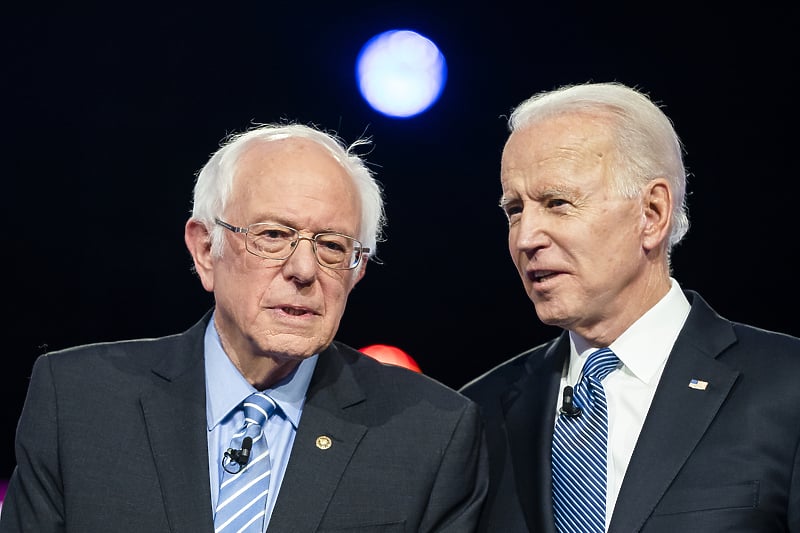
x,y
718,450
113,436
386,449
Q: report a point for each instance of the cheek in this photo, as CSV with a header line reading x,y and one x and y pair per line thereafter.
x,y
518,257
512,244
241,297
335,290
623,238
245,286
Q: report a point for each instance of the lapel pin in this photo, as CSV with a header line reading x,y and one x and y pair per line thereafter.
x,y
698,384
324,442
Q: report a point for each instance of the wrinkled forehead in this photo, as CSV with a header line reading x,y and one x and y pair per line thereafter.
x,y
268,153
290,159
561,153
572,124
574,139
295,181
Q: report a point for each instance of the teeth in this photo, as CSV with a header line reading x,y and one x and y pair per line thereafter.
x,y
293,311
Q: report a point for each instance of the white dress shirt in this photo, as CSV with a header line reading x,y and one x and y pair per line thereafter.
x,y
643,350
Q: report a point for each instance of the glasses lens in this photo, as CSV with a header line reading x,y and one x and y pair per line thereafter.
x,y
337,251
272,241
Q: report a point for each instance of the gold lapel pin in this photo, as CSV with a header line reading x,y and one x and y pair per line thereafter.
x,y
324,442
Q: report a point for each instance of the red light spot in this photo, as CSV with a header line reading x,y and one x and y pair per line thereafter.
x,y
391,355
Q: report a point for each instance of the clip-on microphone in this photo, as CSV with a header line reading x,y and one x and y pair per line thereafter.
x,y
568,407
237,457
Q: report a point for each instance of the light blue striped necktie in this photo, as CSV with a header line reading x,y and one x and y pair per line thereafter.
x,y
579,455
242,502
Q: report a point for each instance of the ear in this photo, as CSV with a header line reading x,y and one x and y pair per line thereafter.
x,y
198,242
657,213
362,269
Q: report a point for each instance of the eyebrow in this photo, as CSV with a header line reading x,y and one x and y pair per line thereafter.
x,y
284,222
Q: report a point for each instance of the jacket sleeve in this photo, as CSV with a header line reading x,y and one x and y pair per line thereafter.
x,y
34,501
462,482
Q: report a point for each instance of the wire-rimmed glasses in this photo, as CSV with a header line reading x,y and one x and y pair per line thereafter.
x,y
278,242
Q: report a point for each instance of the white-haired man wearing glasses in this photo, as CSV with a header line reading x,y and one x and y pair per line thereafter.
x,y
154,435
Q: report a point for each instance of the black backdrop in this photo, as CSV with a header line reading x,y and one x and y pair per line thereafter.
x,y
109,112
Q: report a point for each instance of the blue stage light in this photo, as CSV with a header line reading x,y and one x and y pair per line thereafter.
x,y
400,73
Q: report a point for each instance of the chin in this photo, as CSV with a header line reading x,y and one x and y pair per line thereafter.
x,y
294,347
549,316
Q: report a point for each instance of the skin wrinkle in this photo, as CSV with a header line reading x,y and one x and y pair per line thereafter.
x,y
688,390
299,184
564,210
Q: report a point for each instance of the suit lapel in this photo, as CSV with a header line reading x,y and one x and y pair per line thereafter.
x,y
324,445
174,412
679,415
529,422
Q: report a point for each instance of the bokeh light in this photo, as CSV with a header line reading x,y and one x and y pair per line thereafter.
x,y
400,73
391,355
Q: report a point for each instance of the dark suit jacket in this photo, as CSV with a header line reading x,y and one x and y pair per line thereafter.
x,y
112,438
722,459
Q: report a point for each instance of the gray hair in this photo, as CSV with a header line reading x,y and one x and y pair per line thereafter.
x,y
646,144
215,180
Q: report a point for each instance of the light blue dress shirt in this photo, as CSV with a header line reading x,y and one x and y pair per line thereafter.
x,y
225,390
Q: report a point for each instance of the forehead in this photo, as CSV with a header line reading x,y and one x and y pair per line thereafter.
x,y
294,180
282,155
561,148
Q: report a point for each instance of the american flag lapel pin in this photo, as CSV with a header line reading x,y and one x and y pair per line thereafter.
x,y
698,384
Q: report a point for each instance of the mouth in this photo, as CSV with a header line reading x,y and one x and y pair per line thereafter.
x,y
295,311
539,276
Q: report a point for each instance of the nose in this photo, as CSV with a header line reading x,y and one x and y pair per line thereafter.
x,y
302,265
528,234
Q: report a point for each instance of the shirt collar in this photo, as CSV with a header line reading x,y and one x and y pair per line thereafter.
x,y
644,347
228,387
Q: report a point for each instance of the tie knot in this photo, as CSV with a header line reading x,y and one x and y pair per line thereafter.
x,y
258,407
600,364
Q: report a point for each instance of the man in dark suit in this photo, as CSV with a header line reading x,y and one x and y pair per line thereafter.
x,y
140,436
698,417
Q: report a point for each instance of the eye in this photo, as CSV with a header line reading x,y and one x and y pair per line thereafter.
x,y
274,233
511,210
556,202
333,246
332,242
271,232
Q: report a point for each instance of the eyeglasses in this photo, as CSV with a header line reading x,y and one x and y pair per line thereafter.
x,y
278,242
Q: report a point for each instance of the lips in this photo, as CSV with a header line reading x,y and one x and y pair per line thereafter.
x,y
294,310
541,275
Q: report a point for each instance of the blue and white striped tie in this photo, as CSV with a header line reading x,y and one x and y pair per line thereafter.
x,y
579,452
242,502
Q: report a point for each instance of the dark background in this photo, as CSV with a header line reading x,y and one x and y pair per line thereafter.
x,y
109,112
